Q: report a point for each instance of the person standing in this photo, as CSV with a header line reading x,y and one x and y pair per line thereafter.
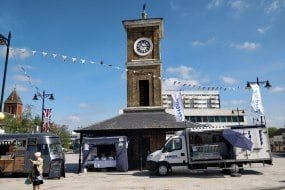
x,y
37,171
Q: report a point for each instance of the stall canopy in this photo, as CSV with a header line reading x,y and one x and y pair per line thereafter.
x,y
120,143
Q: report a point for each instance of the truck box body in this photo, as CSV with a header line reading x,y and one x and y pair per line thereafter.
x,y
205,147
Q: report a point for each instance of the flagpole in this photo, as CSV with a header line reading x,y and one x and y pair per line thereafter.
x,y
43,96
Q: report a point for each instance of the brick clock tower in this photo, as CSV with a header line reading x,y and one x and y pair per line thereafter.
x,y
144,62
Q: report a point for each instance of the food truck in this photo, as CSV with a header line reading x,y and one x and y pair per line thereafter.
x,y
203,147
16,150
105,153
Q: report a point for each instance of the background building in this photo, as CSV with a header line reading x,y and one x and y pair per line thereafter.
x,y
204,107
13,105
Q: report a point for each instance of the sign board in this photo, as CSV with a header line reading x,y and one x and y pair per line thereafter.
x,y
55,169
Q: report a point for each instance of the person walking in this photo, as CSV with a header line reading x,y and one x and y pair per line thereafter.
x,y
37,171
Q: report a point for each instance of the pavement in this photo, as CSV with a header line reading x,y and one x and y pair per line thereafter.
x,y
256,177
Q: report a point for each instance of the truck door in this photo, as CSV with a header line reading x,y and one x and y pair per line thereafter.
x,y
175,151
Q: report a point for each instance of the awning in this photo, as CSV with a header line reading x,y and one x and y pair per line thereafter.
x,y
7,141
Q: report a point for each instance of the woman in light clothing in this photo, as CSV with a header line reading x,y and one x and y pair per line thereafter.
x,y
37,171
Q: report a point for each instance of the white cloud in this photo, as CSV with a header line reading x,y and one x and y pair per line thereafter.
x,y
213,4
181,74
21,78
250,46
228,80
274,6
183,71
263,30
234,103
24,78
277,89
20,88
173,6
238,5
124,75
73,118
198,43
85,105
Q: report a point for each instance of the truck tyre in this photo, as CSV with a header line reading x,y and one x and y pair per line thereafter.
x,y
234,168
163,169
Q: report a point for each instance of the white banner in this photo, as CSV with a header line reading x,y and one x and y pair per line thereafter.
x,y
256,102
178,107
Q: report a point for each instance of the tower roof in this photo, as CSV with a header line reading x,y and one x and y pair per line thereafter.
x,y
13,98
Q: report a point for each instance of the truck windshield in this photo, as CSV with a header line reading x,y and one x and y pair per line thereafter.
x,y
173,144
55,148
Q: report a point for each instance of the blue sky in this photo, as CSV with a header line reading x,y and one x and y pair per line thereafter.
x,y
207,43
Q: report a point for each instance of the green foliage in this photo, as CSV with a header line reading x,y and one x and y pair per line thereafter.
x,y
28,124
272,131
62,132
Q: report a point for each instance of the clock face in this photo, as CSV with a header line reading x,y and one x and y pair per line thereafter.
x,y
143,46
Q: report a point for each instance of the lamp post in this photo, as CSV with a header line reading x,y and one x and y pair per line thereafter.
x,y
238,111
4,41
43,96
267,85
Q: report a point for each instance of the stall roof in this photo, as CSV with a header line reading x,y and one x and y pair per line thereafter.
x,y
139,118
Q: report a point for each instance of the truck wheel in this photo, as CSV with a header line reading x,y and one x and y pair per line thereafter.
x,y
163,169
234,168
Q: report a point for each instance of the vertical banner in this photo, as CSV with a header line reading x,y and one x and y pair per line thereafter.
x,y
256,102
47,116
178,106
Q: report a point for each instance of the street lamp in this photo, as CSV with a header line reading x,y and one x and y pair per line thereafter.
x,y
238,111
267,85
4,41
43,96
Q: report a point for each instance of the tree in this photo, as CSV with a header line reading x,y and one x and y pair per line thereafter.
x,y
272,131
62,132
11,125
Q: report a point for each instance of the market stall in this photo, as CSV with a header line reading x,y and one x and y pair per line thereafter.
x,y
105,152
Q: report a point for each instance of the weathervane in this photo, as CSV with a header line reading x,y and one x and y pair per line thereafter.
x,y
144,14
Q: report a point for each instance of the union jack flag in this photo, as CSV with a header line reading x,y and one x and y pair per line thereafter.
x,y
47,116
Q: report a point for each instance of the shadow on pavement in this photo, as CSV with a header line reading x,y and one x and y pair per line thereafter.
x,y
71,167
194,174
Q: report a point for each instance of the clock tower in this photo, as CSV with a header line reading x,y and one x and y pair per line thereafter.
x,y
143,61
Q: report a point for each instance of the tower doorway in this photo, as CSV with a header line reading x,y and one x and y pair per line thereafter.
x,y
144,92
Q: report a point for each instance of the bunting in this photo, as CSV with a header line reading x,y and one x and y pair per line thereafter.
x,y
176,83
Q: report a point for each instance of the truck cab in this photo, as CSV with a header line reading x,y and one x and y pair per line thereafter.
x,y
173,153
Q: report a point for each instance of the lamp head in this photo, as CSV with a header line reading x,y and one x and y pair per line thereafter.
x,y
35,97
51,97
267,85
248,85
3,40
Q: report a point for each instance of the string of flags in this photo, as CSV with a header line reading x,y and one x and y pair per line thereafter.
x,y
72,59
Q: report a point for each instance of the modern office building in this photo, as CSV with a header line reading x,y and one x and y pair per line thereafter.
x,y
204,107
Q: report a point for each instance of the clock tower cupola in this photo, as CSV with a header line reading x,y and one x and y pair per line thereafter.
x,y
143,61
